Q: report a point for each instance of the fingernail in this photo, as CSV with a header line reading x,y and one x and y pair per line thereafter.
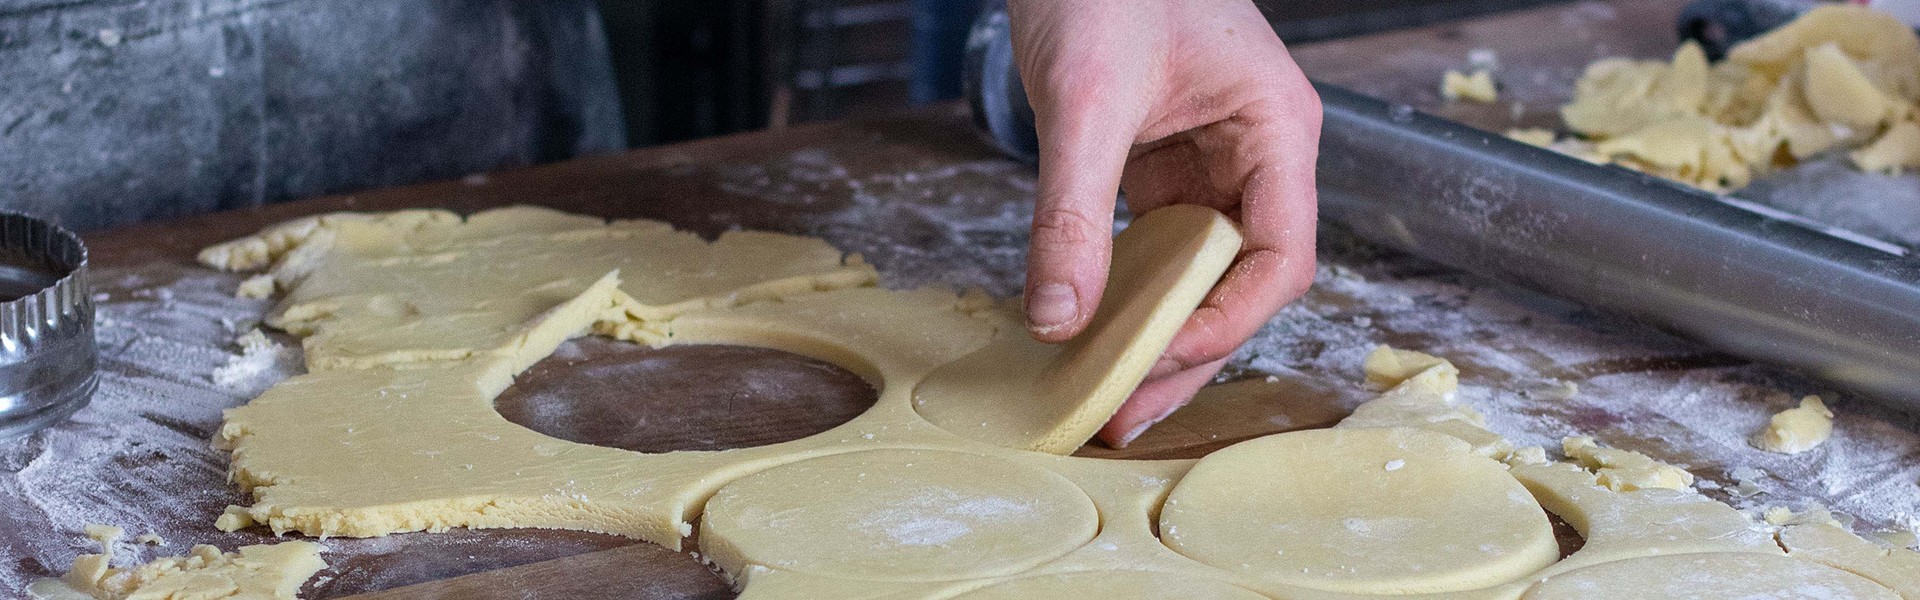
x,y
1051,307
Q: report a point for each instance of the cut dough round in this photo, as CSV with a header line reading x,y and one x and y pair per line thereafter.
x,y
1389,510
1710,576
897,515
1113,585
1023,394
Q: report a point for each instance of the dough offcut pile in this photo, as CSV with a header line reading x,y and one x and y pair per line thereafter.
x,y
414,321
1839,77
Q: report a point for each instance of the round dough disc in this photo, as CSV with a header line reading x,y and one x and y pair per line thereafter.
x,y
897,515
1711,576
1113,585
1385,511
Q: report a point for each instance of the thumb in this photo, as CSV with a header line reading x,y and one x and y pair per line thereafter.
x,y
1083,148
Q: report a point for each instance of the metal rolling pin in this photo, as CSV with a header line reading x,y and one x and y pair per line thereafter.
x,y
1764,287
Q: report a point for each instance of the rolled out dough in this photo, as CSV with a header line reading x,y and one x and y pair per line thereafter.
x,y
1378,511
1710,576
398,433
1113,585
898,515
1020,393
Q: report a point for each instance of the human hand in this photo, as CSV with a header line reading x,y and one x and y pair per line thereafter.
x,y
1186,102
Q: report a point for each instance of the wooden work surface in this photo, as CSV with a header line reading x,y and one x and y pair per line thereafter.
x,y
923,198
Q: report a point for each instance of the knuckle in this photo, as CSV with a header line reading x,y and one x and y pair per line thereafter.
x,y
1059,229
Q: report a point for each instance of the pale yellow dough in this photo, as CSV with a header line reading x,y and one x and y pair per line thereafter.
x,y
1113,585
1837,77
1368,510
909,515
393,433
1710,576
1797,429
1477,87
1624,470
1020,393
260,572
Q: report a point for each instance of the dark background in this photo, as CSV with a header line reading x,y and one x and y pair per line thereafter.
x,y
121,111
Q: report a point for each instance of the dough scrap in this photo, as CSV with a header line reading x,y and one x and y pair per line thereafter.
x,y
1378,511
1020,393
1477,87
400,435
1625,470
1894,153
1838,76
1423,401
431,306
1709,576
1386,366
1533,136
1798,429
259,572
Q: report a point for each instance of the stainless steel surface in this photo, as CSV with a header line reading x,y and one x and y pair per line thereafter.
x,y
1677,257
47,354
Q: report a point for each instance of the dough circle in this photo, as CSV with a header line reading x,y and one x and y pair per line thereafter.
x,y
1710,576
1384,511
1113,585
897,515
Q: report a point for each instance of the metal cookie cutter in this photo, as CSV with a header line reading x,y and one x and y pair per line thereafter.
x,y
47,354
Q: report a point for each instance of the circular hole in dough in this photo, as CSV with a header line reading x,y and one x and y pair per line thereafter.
x,y
897,515
1112,585
1709,576
694,397
1380,511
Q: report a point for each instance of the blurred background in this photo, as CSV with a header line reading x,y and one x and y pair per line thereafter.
x,y
120,111
694,68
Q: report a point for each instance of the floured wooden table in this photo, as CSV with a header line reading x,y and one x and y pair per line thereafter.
x,y
921,198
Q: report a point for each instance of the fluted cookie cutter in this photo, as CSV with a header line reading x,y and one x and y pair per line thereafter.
x,y
47,355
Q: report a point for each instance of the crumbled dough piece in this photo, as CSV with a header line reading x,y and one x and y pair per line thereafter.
x,y
1477,87
260,572
1746,482
1837,77
1387,367
235,518
1625,470
1536,136
1897,151
1797,430
150,539
1781,516
257,287
104,534
1528,455
1423,399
